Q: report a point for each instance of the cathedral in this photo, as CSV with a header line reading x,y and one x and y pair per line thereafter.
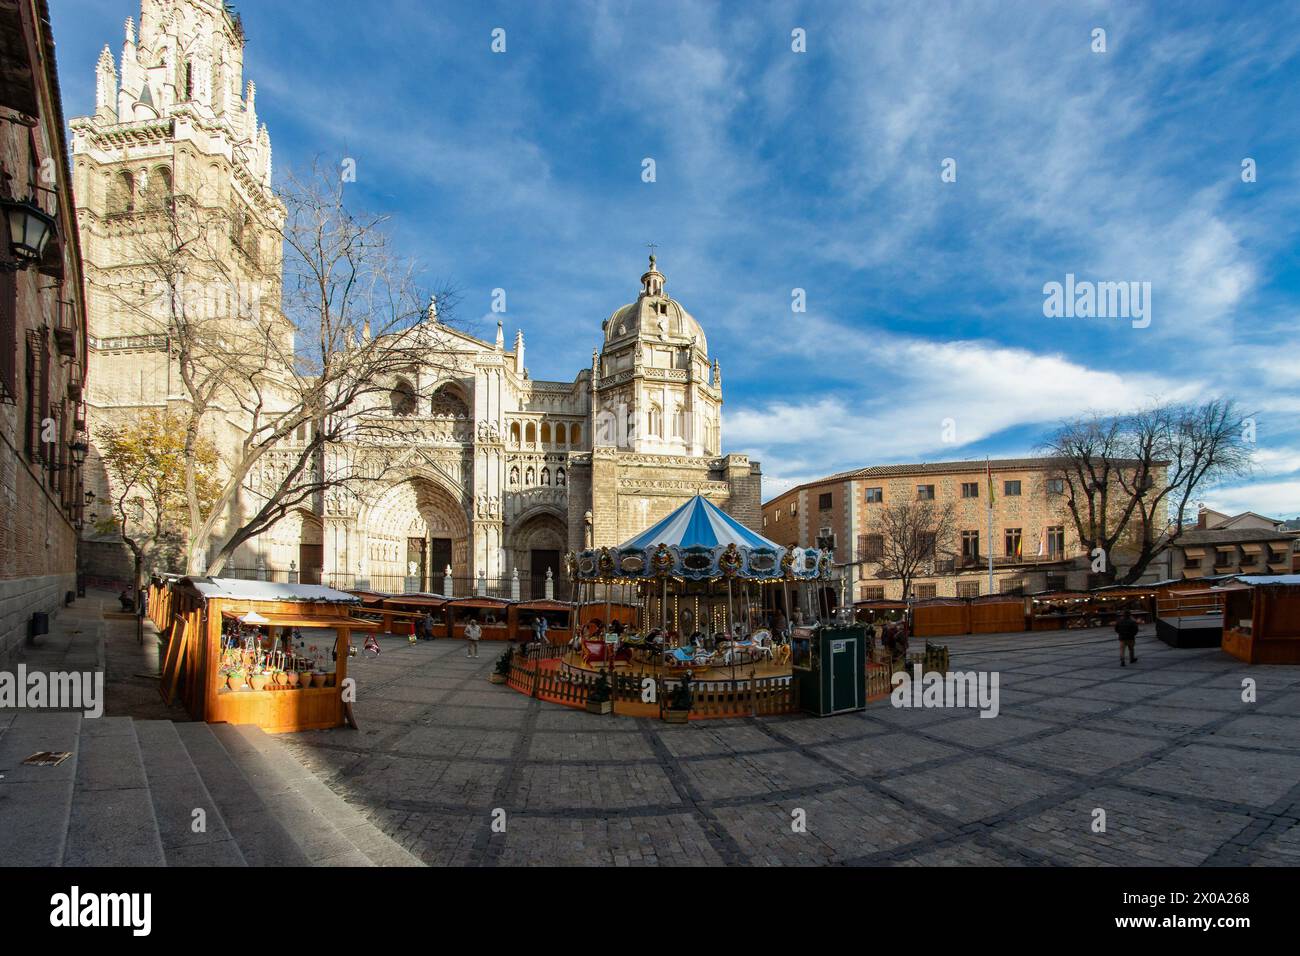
x,y
500,474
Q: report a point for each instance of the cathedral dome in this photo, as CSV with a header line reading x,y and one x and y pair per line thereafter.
x,y
654,316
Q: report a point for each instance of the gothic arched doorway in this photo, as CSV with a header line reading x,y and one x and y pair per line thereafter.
x,y
536,545
413,532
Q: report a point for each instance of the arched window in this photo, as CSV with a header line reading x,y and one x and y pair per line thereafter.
x,y
124,193
561,436
514,433
679,422
530,433
559,477
575,436
402,398
546,433
160,187
546,476
656,421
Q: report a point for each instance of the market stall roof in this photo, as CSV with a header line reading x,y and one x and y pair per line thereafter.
x,y
698,524
418,598
544,604
299,620
1259,580
880,604
238,589
479,601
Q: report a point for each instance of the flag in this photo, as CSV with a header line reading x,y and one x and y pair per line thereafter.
x,y
988,472
1042,542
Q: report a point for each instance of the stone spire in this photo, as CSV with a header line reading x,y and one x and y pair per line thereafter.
x,y
250,109
432,311
501,337
106,86
519,352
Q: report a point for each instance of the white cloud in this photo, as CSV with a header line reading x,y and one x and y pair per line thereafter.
x,y
1277,499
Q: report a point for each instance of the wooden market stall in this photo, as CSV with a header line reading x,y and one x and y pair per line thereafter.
x,y
997,614
1192,617
877,610
1058,610
490,612
1261,621
559,617
940,617
259,652
398,613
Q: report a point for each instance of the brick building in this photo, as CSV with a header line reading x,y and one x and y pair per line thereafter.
x,y
42,333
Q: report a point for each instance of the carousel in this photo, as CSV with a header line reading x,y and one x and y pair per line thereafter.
x,y
707,596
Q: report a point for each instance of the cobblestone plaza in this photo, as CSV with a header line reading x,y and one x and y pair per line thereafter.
x,y
1186,772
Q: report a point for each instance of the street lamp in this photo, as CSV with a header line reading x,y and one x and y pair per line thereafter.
x,y
30,230
79,448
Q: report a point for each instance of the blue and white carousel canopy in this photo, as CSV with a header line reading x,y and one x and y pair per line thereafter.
x,y
699,541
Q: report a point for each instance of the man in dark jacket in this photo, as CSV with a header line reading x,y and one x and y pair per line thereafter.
x,y
1127,629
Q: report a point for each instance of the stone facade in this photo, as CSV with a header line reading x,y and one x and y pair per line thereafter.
x,y
493,472
42,339
499,474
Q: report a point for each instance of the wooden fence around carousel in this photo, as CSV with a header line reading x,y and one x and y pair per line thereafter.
x,y
536,672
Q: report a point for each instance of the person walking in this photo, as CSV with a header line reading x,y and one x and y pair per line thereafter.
x,y
1127,629
539,629
472,634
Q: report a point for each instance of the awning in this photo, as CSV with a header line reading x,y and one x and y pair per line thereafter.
x,y
1251,548
1195,552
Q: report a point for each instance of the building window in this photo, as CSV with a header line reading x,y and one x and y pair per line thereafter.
x,y
1011,489
546,433
794,508
1055,535
872,592
656,421
402,398
575,435
875,496
970,489
968,589
1012,585
778,515
923,591
925,492
764,521
1192,562
1056,582
824,502
970,545
1056,486
1012,542
530,433
1223,559
871,547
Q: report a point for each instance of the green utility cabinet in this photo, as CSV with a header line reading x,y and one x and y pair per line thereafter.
x,y
830,666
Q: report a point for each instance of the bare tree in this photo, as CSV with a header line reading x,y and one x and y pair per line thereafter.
x,y
289,377
1130,480
913,534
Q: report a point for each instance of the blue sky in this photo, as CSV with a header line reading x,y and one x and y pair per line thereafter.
x,y
779,170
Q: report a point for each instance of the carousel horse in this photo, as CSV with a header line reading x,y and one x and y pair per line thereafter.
x,y
598,652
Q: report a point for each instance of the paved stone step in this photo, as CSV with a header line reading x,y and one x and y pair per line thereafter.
x,y
112,822
261,838
177,790
269,771
377,846
36,802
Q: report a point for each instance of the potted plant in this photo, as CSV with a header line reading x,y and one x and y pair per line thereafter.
x,y
291,678
678,710
235,678
502,670
257,679
599,698
317,678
